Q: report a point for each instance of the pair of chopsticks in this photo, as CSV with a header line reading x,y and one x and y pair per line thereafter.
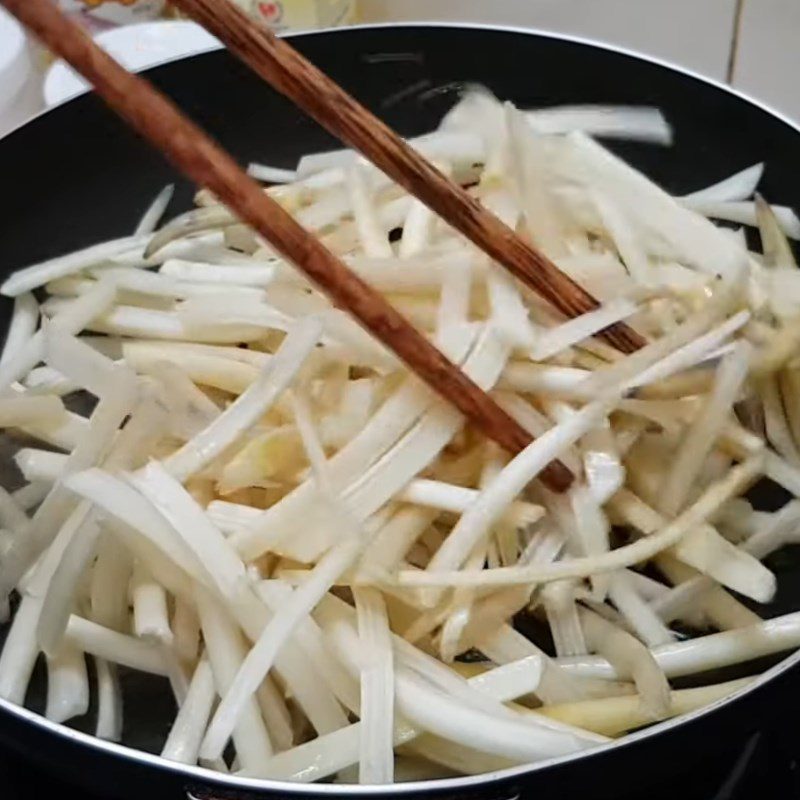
x,y
207,164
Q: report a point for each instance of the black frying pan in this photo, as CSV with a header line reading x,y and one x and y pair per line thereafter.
x,y
76,175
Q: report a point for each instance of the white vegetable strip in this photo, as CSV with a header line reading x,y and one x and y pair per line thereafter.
x,y
535,422
67,685
338,621
668,229
276,715
261,657
150,614
152,216
777,427
112,646
376,762
702,548
744,213
262,172
308,645
225,650
194,221
737,187
19,651
396,538
38,274
707,652
241,415
533,193
256,274
58,601
714,604
84,365
592,531
122,501
646,624
628,371
71,320
558,600
641,550
631,659
515,476
630,249
209,547
427,438
701,434
637,123
432,710
334,751
373,238
103,424
393,418
424,492
555,340
24,319
159,285
615,715
186,733
464,147
109,702
151,323
208,370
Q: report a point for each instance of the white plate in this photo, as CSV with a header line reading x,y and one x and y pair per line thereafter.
x,y
136,47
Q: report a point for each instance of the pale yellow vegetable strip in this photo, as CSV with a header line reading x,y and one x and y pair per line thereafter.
x,y
701,434
630,658
249,407
225,649
376,762
328,754
706,652
629,370
615,715
515,476
737,480
707,597
20,411
373,238
208,370
777,426
386,426
702,548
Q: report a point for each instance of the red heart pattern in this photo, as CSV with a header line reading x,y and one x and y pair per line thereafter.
x,y
270,11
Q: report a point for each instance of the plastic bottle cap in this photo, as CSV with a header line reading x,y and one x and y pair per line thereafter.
x,y
136,47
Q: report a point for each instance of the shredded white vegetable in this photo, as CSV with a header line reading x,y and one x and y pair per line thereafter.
x,y
232,487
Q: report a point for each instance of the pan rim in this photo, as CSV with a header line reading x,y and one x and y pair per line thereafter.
x,y
228,782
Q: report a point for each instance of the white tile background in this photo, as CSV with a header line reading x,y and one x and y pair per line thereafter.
x,y
698,34
768,59
753,43
695,33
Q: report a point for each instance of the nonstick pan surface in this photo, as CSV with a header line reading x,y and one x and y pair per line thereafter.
x,y
76,175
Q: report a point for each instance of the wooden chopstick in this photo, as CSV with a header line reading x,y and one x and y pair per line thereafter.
x,y
201,159
322,98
